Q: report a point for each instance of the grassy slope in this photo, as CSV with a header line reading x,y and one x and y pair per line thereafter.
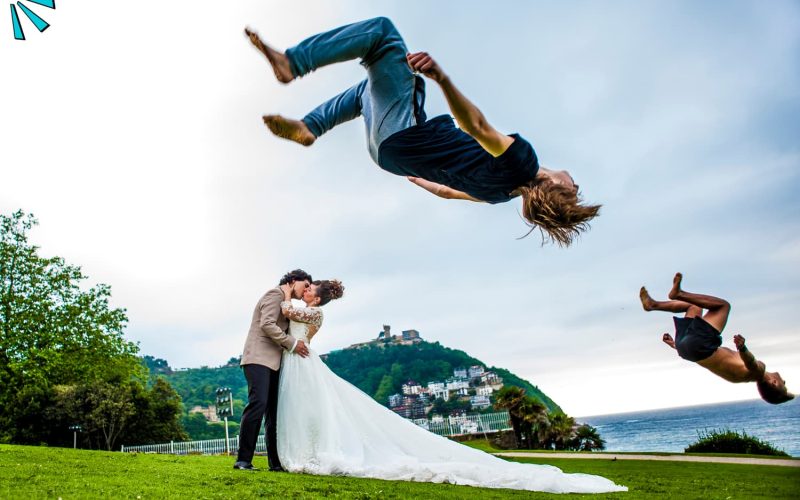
x,y
34,472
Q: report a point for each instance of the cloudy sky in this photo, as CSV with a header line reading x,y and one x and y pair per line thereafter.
x,y
132,131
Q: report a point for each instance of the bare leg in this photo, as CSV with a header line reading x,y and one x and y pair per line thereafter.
x,y
293,130
278,60
718,309
675,306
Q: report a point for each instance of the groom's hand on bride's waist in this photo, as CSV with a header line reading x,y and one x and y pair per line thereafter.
x,y
300,349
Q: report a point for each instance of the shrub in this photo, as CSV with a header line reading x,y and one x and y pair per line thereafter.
x,y
728,441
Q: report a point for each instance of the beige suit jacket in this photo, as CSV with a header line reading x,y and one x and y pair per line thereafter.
x,y
267,337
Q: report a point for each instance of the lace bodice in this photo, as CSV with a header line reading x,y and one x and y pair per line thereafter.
x,y
304,322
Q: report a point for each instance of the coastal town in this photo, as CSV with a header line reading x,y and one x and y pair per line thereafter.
x,y
473,386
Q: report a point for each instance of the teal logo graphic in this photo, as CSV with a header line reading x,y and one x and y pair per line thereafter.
x,y
37,21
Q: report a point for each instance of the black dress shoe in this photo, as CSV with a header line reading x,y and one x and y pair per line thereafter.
x,y
277,469
244,466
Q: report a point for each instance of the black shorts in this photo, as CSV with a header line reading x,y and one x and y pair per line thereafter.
x,y
695,339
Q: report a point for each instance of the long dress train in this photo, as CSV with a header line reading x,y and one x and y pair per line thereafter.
x,y
328,426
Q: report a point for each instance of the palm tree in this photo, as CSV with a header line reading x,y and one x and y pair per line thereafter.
x,y
587,439
534,418
511,398
562,430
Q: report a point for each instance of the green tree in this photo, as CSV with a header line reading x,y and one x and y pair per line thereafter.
x,y
534,418
110,410
157,365
512,398
385,389
63,360
157,416
561,431
199,428
587,439
52,328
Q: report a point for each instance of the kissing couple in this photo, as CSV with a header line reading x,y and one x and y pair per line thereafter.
x,y
318,423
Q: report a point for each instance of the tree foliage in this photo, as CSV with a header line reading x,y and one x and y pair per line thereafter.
x,y
587,439
64,359
50,327
199,428
197,387
534,427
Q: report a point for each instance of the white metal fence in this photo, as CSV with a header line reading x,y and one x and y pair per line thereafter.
x,y
448,426
466,424
205,447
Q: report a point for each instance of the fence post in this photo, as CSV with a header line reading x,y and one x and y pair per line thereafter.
x,y
171,448
123,449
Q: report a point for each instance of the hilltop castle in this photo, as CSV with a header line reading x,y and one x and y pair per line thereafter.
x,y
407,337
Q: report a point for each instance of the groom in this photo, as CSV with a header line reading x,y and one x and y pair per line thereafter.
x,y
261,362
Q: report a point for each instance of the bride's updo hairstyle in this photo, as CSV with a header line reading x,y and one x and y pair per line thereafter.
x,y
328,290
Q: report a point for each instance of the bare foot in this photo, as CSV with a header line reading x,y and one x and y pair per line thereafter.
x,y
667,338
278,60
676,287
293,130
647,301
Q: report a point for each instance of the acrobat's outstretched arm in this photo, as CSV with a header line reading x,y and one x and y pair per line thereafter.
x,y
753,365
469,117
441,190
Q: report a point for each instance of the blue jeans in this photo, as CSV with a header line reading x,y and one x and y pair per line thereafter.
x,y
390,99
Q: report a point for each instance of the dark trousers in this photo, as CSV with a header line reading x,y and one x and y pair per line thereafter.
x,y
262,395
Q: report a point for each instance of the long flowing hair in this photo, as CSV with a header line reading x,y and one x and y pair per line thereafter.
x,y
556,211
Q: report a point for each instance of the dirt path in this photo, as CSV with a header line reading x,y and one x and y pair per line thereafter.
x,y
669,458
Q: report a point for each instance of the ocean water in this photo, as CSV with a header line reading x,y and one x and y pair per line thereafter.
x,y
673,429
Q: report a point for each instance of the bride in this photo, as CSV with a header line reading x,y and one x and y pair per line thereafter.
x,y
328,426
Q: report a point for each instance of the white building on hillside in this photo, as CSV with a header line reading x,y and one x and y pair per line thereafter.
x,y
395,400
455,384
480,402
411,387
208,412
484,390
438,390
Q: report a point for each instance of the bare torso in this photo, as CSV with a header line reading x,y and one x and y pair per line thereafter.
x,y
727,364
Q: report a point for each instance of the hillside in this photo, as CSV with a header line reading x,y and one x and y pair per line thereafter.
x,y
379,369
366,367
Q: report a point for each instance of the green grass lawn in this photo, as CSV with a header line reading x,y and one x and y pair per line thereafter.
x,y
40,472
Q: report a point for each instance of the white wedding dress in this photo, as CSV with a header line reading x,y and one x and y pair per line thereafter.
x,y
328,426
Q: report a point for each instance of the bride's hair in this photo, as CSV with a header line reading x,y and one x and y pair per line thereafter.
x,y
328,290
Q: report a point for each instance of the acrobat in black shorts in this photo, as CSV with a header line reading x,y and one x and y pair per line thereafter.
x,y
695,338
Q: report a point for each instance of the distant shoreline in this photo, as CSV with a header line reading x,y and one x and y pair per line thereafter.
x,y
668,408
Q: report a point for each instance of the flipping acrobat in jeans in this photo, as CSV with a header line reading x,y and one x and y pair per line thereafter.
x,y
474,162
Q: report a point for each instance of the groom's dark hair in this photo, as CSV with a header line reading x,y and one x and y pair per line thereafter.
x,y
296,275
